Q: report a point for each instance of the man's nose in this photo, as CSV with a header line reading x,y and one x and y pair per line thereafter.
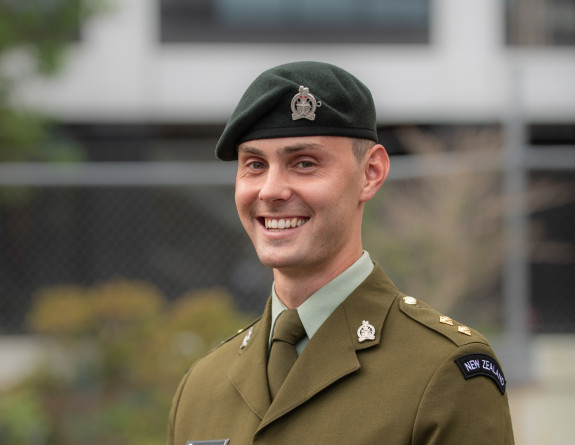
x,y
275,186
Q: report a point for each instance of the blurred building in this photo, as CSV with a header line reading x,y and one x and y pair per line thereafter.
x,y
148,87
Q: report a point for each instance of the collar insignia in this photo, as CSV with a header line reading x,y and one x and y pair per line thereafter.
x,y
365,332
303,105
247,338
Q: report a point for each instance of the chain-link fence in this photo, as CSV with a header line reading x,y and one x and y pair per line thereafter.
x,y
178,238
438,227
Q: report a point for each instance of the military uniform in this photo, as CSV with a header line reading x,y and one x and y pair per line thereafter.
x,y
421,379
381,368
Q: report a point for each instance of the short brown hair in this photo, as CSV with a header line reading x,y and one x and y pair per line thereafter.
x,y
360,147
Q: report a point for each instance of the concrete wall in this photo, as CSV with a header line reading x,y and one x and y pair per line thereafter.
x,y
120,71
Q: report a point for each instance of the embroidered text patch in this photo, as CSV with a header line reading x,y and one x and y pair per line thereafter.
x,y
474,365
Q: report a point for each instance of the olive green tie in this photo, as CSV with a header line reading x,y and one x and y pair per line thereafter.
x,y
288,331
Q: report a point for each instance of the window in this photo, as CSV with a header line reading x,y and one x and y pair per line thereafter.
x,y
540,22
295,21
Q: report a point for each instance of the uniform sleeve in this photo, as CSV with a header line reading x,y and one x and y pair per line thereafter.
x,y
456,410
174,409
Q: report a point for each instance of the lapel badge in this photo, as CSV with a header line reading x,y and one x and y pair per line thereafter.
x,y
247,338
446,320
303,105
365,332
464,330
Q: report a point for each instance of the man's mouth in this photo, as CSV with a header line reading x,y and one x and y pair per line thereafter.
x,y
278,224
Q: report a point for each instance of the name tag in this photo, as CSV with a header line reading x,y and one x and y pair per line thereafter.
x,y
209,442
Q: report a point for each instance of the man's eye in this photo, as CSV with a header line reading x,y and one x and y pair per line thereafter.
x,y
256,165
305,164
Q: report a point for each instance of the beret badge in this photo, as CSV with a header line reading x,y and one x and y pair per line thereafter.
x,y
303,105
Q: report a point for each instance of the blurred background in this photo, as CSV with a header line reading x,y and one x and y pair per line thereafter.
x,y
122,259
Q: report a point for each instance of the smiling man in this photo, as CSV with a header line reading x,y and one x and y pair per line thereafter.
x,y
339,355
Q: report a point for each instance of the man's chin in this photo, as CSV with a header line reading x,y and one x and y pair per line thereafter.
x,y
278,261
275,264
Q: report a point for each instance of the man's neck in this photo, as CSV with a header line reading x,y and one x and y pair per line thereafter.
x,y
294,287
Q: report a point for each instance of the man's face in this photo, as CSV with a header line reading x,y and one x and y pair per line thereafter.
x,y
300,201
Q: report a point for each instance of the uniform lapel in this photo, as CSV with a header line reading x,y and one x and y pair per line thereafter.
x,y
332,353
248,373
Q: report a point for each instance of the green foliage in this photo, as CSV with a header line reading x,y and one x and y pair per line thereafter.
x,y
30,25
27,136
34,37
22,418
118,351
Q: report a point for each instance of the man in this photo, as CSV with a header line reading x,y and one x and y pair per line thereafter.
x,y
372,365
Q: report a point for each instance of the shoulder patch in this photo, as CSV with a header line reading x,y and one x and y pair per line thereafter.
x,y
475,365
442,324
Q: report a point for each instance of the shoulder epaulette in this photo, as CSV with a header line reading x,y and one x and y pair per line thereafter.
x,y
240,331
457,332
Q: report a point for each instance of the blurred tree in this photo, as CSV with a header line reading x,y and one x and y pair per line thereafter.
x,y
22,419
34,36
441,235
116,354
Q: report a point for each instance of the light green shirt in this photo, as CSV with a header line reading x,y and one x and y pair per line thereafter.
x,y
319,306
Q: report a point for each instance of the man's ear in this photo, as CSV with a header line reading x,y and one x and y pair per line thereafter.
x,y
376,170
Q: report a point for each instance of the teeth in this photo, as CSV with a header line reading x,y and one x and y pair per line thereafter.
x,y
284,223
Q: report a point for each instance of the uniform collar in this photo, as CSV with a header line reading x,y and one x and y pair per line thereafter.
x,y
319,306
332,355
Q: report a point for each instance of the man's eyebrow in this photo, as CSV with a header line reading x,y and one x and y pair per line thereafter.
x,y
288,149
250,150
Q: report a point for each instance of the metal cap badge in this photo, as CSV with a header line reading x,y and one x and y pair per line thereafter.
x,y
303,105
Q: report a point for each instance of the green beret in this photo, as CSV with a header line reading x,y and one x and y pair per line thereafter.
x,y
300,99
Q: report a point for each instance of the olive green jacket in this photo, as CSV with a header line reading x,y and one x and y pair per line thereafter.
x,y
403,387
